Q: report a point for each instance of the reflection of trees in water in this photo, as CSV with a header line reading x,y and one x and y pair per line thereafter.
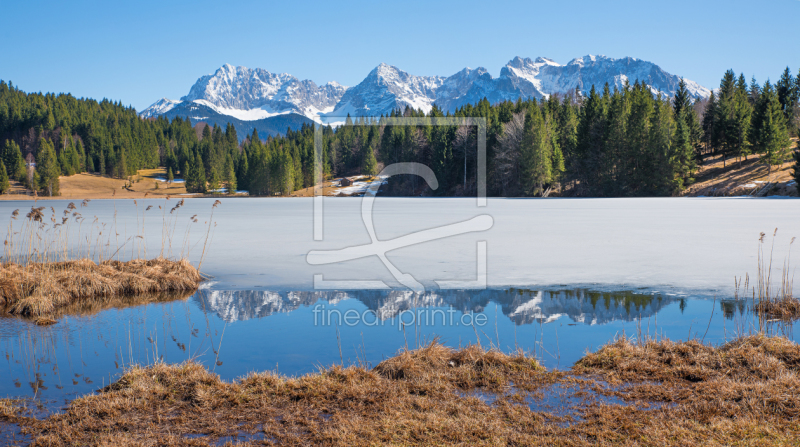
x,y
730,308
520,305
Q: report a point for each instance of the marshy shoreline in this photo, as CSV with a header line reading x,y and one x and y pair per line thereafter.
x,y
40,289
644,392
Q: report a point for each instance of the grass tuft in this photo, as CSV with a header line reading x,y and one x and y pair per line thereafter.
x,y
38,289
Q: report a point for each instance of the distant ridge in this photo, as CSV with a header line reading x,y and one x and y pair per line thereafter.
x,y
256,98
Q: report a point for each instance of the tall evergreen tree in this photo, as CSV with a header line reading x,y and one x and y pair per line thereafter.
x,y
710,134
536,154
785,90
213,181
796,168
370,165
12,159
47,168
683,107
773,138
683,155
230,175
5,185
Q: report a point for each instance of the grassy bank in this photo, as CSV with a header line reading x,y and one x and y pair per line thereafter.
x,y
746,392
39,289
52,261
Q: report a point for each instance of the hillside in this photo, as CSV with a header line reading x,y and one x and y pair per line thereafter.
x,y
748,178
93,186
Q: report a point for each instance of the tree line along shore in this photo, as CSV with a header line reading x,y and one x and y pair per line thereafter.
x,y
605,142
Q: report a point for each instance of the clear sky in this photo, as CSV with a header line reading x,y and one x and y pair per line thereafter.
x,y
144,50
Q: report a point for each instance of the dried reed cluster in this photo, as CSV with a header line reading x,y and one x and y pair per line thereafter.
x,y
51,259
38,289
770,301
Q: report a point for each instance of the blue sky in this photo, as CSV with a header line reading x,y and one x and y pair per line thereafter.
x,y
142,51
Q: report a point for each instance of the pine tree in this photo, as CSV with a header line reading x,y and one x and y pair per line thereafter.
x,y
755,91
201,178
50,120
230,175
683,157
12,159
80,159
660,165
287,173
796,168
785,90
188,176
47,168
682,106
241,174
773,137
5,185
213,181
682,99
709,123
535,154
370,165
170,176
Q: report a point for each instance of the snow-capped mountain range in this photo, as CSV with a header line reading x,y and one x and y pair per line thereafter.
x,y
255,94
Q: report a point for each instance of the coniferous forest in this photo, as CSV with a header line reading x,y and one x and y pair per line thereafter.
x,y
601,143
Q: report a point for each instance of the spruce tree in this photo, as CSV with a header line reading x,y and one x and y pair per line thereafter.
x,y
241,174
230,175
201,178
796,168
755,91
170,176
5,185
12,159
213,181
773,137
785,90
683,157
535,154
682,99
709,123
188,176
370,165
47,168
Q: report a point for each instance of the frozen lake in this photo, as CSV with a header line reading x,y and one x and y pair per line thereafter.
x,y
674,245
563,276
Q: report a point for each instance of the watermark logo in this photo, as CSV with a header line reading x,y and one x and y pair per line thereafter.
x,y
378,247
331,316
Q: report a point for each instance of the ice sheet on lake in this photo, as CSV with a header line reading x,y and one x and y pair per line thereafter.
x,y
674,245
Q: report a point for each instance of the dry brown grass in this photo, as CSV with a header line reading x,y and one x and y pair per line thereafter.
x,y
9,408
749,382
94,186
786,308
39,289
732,179
743,393
416,398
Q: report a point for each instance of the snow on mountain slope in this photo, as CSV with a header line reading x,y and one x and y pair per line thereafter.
x,y
385,88
159,107
256,94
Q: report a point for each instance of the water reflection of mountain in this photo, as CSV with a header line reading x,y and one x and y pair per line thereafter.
x,y
521,306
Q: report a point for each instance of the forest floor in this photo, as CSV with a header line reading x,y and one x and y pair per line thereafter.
x,y
742,178
333,187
